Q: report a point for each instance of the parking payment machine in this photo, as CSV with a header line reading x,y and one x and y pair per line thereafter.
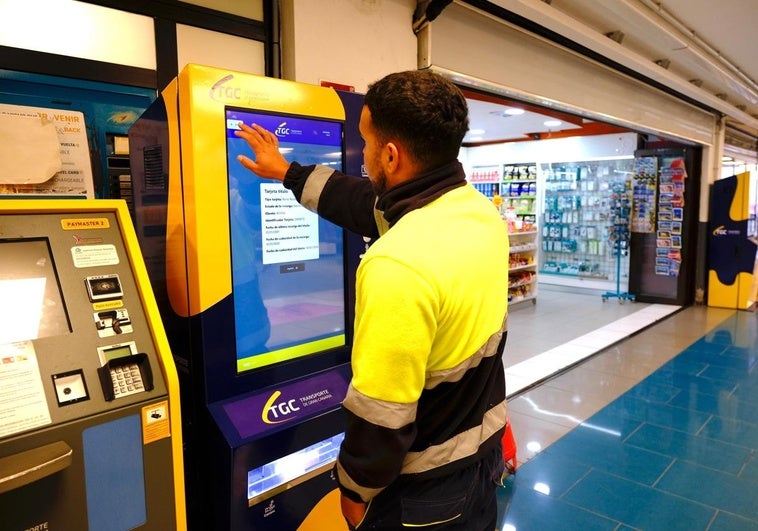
x,y
90,432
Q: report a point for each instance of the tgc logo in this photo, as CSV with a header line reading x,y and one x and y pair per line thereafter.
x,y
720,231
276,412
282,130
221,92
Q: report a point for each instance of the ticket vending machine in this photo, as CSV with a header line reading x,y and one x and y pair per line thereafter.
x,y
90,432
255,296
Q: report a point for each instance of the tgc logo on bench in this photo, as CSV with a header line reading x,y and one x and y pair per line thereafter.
x,y
277,412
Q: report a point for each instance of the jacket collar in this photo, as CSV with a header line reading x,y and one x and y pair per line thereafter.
x,y
420,191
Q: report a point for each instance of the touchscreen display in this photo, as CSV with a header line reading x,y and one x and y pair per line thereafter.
x,y
287,263
31,305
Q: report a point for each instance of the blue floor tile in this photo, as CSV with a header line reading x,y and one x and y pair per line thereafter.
x,y
750,470
732,431
747,392
714,489
605,452
524,509
701,450
729,522
638,505
631,407
654,391
678,451
684,366
747,355
713,358
721,336
714,344
737,375
688,381
550,475
723,406
614,421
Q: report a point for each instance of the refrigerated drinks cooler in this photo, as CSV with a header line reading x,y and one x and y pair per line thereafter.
x,y
90,431
256,295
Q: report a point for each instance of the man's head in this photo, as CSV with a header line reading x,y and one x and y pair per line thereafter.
x,y
421,110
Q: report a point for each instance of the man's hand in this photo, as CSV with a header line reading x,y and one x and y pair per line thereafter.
x,y
269,162
352,511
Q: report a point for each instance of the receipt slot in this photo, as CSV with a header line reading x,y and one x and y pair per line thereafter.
x,y
90,430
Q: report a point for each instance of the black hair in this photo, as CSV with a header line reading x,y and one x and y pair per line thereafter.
x,y
422,110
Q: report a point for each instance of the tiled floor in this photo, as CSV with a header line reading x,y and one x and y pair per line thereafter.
x,y
659,431
564,328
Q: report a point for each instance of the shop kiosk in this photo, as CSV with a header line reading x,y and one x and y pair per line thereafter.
x,y
256,296
90,432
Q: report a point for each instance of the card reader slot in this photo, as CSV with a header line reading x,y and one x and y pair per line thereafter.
x,y
29,466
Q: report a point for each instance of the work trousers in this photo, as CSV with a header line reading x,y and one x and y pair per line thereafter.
x,y
464,500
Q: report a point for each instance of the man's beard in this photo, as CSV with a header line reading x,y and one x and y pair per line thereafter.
x,y
379,183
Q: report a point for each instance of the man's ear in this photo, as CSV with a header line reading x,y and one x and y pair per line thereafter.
x,y
392,158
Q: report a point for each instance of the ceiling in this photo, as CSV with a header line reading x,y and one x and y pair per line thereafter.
x,y
491,121
702,50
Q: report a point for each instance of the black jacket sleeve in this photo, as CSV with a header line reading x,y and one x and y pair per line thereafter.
x,y
344,200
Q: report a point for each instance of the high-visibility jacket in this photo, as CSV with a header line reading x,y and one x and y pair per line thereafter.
x,y
427,395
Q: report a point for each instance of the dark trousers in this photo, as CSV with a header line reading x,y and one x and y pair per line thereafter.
x,y
462,501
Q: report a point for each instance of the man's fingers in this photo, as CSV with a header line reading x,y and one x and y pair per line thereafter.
x,y
266,135
246,162
257,136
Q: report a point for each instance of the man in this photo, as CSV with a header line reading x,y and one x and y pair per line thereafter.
x,y
426,404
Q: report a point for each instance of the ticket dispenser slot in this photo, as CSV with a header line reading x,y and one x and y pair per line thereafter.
x,y
291,470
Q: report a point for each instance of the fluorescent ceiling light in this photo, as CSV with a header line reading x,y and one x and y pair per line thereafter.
x,y
552,123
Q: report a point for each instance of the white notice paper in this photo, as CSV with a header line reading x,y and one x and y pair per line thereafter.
x,y
290,231
44,152
22,397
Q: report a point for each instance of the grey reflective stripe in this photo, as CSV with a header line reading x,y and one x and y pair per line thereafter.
x,y
346,481
454,374
392,415
382,225
464,444
314,185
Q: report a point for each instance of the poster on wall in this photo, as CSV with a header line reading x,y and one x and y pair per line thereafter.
x,y
644,192
670,216
44,152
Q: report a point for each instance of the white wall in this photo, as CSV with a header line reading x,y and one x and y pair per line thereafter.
x,y
353,42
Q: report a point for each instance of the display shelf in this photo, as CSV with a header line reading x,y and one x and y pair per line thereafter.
x,y
486,179
578,219
522,263
518,188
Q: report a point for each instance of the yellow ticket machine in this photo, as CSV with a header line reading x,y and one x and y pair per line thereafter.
x,y
90,429
254,291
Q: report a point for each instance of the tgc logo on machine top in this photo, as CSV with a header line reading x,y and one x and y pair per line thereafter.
x,y
225,91
277,411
